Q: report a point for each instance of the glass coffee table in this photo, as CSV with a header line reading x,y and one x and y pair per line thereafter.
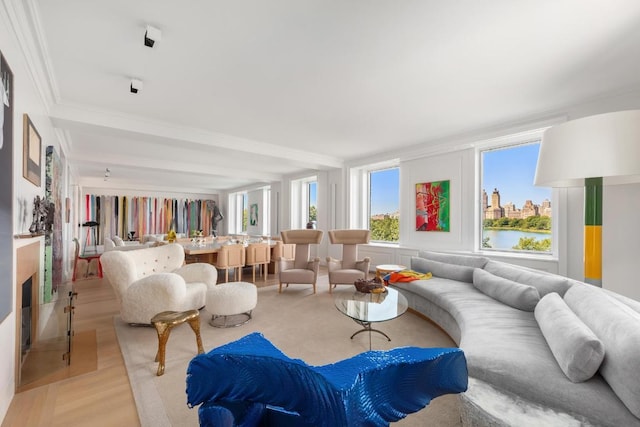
x,y
366,309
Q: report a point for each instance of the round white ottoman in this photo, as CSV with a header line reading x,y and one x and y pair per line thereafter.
x,y
230,304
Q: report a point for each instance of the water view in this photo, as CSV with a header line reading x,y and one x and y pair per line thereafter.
x,y
507,239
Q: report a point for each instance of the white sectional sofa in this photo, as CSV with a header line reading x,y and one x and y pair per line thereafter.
x,y
525,333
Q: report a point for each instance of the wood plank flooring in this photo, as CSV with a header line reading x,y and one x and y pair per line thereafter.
x,y
102,396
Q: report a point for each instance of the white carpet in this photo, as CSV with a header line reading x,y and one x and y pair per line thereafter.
x,y
301,324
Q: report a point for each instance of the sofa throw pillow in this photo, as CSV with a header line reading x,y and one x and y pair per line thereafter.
x,y
442,269
118,241
544,282
618,327
575,347
466,260
514,294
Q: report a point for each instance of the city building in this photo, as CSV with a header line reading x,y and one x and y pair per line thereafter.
x,y
509,210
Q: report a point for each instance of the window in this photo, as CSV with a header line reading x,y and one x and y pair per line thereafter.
x,y
312,203
515,214
238,212
304,201
384,205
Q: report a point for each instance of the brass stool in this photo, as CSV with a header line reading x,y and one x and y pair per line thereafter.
x,y
166,320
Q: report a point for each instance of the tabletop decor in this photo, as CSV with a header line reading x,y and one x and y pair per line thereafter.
x,y
373,286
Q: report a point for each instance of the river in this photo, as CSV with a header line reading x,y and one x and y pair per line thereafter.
x,y
507,239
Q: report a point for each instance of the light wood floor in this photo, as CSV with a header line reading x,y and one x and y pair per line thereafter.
x,y
102,396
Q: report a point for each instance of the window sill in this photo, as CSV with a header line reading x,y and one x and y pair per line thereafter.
x,y
517,255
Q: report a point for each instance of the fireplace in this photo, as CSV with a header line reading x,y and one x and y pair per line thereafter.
x,y
26,324
27,304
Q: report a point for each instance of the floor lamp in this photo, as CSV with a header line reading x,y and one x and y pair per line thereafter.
x,y
593,151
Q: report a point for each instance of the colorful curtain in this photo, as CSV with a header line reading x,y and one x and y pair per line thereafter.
x,y
119,215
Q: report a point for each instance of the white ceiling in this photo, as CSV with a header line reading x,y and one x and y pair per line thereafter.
x,y
241,92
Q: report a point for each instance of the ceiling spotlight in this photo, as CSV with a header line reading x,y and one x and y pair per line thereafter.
x,y
136,85
107,173
151,36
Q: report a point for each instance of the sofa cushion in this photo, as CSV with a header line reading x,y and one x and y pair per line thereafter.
x,y
543,282
466,260
618,327
514,294
575,347
442,269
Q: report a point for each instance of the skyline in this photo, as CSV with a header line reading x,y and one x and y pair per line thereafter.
x,y
512,171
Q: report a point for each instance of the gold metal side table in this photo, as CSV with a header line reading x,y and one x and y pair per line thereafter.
x,y
165,321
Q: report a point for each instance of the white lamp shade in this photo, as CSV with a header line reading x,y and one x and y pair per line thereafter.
x,y
605,145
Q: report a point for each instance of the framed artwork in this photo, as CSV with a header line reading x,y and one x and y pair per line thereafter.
x,y
7,200
32,152
253,214
432,206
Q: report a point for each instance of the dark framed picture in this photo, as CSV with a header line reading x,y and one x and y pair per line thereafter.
x,y
32,153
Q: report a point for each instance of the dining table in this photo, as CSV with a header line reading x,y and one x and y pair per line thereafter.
x,y
206,251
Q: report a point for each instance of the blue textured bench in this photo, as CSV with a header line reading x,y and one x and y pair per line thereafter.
x,y
249,382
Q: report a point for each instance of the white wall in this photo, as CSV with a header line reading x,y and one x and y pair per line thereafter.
x,y
621,239
26,100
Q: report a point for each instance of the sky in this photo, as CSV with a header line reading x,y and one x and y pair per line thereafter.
x,y
511,171
313,194
385,194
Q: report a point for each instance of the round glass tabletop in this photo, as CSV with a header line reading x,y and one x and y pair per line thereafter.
x,y
371,307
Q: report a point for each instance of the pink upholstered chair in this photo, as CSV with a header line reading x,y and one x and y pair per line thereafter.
x,y
349,269
301,269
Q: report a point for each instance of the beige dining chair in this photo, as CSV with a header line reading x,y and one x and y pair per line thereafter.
x,y
301,269
231,257
281,251
349,269
258,254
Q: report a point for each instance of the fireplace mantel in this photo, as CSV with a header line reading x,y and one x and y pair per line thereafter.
x,y
27,265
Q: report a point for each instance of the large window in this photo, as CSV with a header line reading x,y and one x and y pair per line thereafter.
x,y
238,211
304,201
515,215
384,204
312,202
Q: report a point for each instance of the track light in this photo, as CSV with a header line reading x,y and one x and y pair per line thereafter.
x,y
136,85
107,173
151,36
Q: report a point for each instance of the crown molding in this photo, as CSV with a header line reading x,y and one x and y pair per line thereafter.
x,y
26,24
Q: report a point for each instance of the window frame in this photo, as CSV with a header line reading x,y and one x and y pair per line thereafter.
x,y
507,142
360,199
237,206
300,203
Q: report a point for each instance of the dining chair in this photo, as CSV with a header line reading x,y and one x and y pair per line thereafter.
x,y
258,254
349,269
281,251
77,257
231,257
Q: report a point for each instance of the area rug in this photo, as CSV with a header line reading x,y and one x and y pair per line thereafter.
x,y
301,324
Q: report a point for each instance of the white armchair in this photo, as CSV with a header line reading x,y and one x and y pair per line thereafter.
x,y
149,281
